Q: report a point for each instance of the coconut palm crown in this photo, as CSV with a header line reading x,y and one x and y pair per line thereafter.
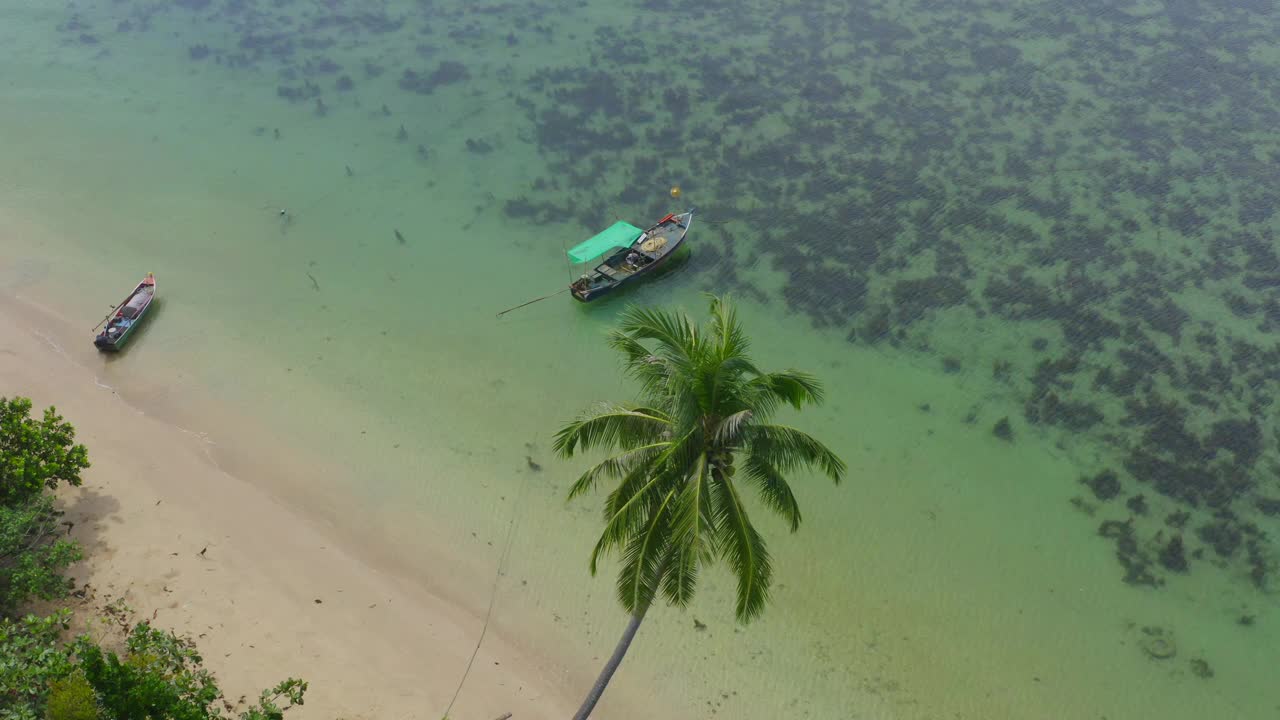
x,y
683,456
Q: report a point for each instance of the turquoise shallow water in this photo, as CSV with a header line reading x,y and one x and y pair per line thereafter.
x,y
903,208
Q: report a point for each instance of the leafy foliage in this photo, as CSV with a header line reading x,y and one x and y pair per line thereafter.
x,y
36,455
72,698
31,660
32,557
705,411
162,676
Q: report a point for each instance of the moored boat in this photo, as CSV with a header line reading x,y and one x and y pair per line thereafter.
x,y
127,316
630,253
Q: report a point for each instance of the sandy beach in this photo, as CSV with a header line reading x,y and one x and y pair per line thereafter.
x,y
267,591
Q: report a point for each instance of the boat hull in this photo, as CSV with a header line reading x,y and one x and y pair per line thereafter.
x,y
599,292
107,341
586,293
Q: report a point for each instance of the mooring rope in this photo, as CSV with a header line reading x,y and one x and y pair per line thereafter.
x,y
493,592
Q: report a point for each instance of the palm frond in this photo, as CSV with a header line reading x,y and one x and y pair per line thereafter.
x,y
793,387
773,489
744,549
652,371
616,467
626,512
642,562
684,453
729,429
680,577
787,448
692,510
730,340
612,426
677,336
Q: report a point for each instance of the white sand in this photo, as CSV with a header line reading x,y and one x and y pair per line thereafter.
x,y
272,595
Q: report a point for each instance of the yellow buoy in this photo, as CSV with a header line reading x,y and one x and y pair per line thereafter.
x,y
675,191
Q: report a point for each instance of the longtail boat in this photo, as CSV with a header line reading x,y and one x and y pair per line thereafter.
x,y
631,254
127,316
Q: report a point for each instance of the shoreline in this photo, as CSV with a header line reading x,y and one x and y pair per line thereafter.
x,y
155,498
890,644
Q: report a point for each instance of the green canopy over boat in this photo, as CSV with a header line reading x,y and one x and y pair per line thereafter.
x,y
619,234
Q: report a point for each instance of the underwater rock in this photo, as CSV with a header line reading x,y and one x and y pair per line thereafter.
x,y
479,147
198,52
1137,504
1222,535
913,298
1173,555
446,73
344,83
1084,506
1242,438
1049,408
1258,563
1135,562
1003,429
1105,485
1200,668
320,66
877,327
1268,506
301,93
1001,370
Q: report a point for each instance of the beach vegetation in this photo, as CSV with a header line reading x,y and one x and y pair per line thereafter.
x,y
36,457
31,660
683,459
72,698
161,674
158,674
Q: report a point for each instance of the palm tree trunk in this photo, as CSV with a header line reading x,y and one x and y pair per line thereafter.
x,y
610,667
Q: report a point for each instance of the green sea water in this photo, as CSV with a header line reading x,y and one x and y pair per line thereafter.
x,y
332,254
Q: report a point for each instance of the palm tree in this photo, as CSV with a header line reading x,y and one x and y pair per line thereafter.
x,y
682,455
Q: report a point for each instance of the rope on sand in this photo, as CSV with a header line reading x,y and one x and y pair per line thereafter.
x,y
493,594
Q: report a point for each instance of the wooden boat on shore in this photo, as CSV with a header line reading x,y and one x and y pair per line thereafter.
x,y
631,254
127,316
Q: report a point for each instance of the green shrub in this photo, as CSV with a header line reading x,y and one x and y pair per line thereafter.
x,y
72,698
31,659
36,456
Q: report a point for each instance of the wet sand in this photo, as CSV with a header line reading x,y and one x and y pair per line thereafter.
x,y
268,591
